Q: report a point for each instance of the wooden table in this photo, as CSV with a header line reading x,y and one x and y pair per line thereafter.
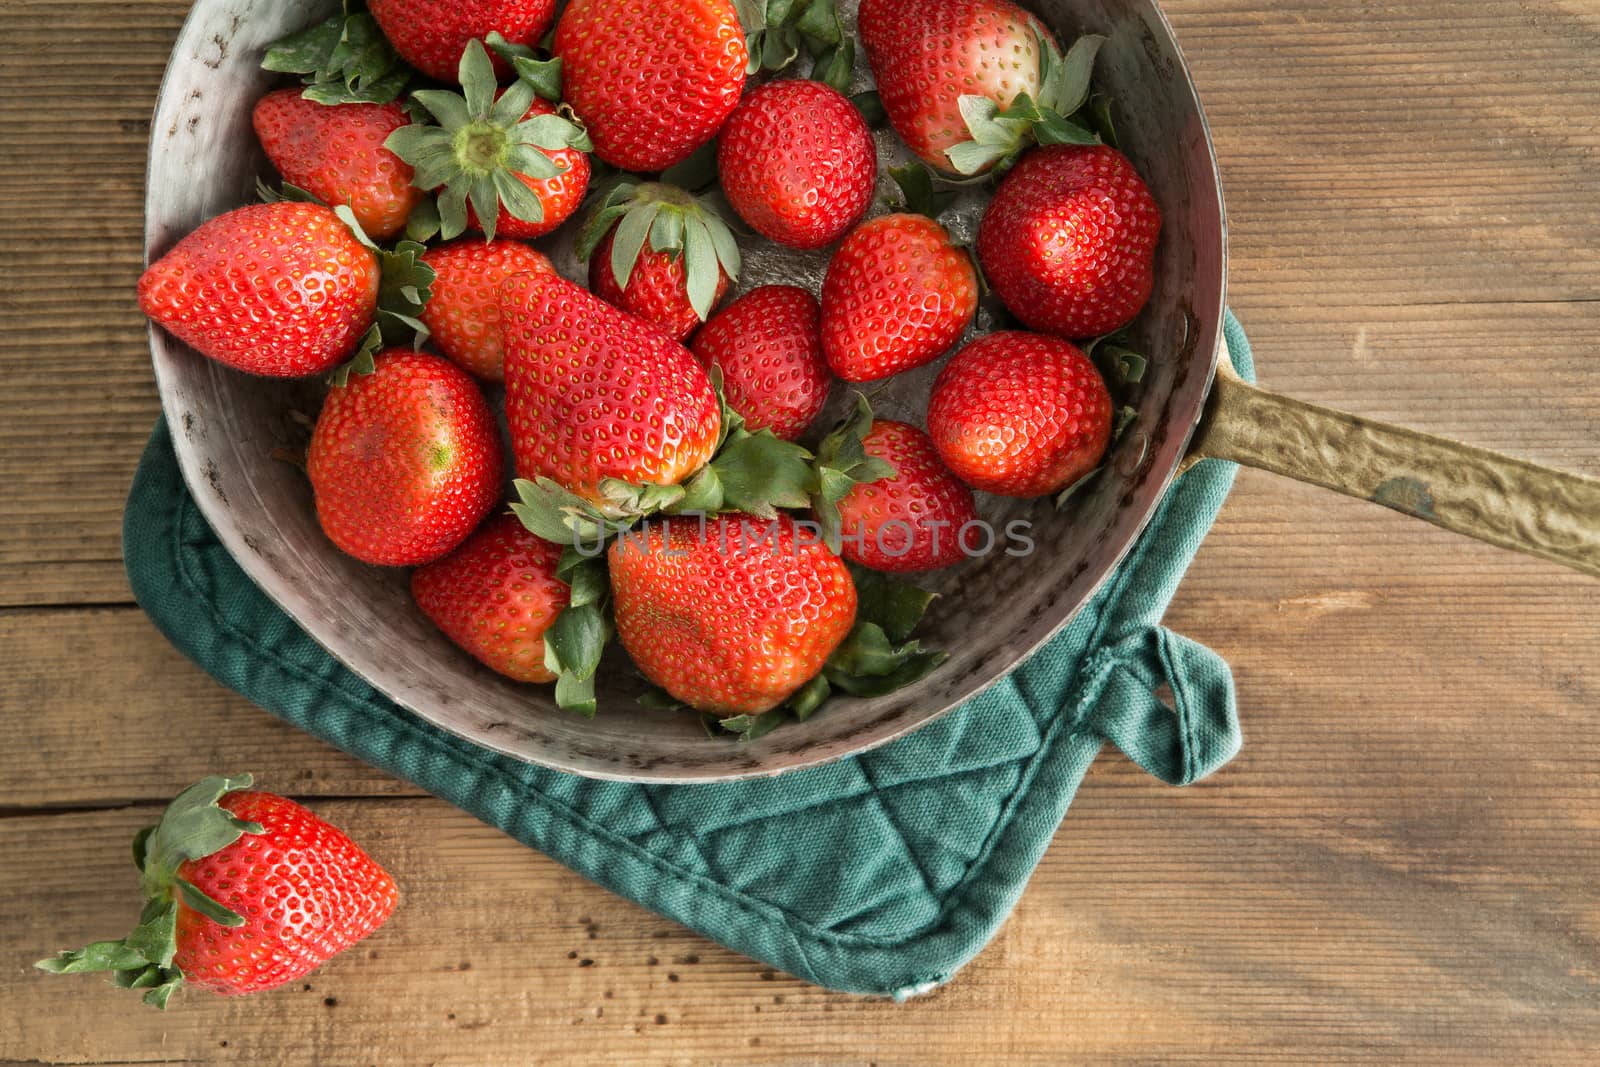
x,y
1404,863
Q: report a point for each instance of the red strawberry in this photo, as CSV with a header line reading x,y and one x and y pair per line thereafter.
x,y
734,617
657,289
495,596
431,34
913,521
464,310
594,393
1069,241
897,295
1020,414
245,891
283,289
797,163
928,54
657,252
404,461
335,152
768,346
651,81
504,154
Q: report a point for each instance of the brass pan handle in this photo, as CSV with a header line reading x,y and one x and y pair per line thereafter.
x,y
1473,491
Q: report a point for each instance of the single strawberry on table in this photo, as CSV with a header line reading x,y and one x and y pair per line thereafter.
x,y
659,253
767,345
1068,243
496,596
898,293
968,84
914,519
283,289
733,615
244,891
797,162
430,34
1020,414
503,161
652,81
335,152
405,461
463,314
595,395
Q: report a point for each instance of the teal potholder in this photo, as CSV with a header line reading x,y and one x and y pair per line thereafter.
x,y
881,874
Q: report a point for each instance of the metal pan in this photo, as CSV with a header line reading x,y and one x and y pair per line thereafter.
x,y
994,611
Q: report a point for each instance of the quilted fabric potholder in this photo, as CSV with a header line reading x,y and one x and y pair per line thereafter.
x,y
881,874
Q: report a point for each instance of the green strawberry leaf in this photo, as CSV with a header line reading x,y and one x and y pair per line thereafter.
x,y
658,699
759,473
573,646
893,606
197,899
675,223
695,173
1067,494
342,60
921,197
1100,118
841,464
810,697
753,727
586,576
916,665
543,76
562,517
870,104
999,136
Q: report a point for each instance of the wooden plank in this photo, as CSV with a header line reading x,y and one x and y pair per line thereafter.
x,y
101,708
1317,936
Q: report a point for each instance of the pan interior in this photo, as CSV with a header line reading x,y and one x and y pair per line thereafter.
x,y
992,611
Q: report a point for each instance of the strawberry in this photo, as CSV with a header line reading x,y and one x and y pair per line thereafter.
x,y
594,394
495,596
913,520
768,347
651,81
967,84
463,314
734,617
283,289
405,460
1069,241
1020,414
336,154
431,34
658,252
495,149
898,294
797,163
244,891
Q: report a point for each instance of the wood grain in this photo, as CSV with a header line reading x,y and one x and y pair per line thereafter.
x,y
1400,866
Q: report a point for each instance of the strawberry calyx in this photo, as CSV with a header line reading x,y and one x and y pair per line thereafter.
x,y
480,146
342,60
776,32
543,74
878,657
676,223
1122,368
1000,135
192,827
842,464
919,194
404,288
752,471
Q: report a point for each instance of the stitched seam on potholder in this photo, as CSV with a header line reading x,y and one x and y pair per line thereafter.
x,y
1180,698
476,761
662,827
894,824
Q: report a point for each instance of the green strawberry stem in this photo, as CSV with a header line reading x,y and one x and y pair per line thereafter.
x,y
676,223
342,60
481,144
192,827
999,136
